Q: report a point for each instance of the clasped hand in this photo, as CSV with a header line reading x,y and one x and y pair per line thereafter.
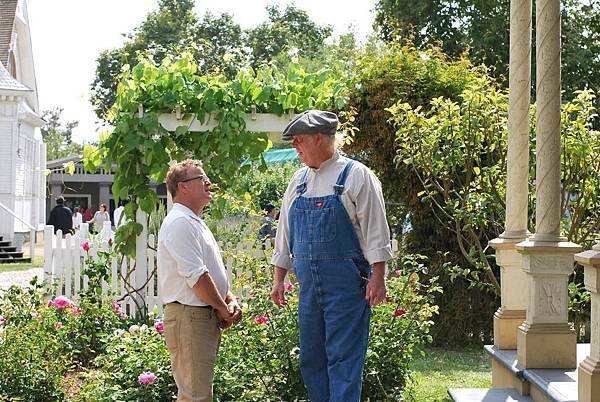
x,y
231,316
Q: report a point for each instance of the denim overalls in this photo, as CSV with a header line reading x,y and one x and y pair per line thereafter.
x,y
333,313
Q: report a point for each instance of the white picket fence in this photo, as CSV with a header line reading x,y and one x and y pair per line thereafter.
x,y
65,262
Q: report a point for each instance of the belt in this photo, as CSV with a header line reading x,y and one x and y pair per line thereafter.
x,y
176,302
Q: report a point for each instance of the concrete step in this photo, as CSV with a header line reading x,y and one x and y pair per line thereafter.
x,y
4,243
7,248
553,385
487,395
14,260
11,254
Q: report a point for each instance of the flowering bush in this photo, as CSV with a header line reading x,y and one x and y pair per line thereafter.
x,y
135,367
399,328
259,359
31,361
43,343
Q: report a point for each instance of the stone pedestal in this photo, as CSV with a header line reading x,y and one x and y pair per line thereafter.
x,y
513,283
546,339
589,370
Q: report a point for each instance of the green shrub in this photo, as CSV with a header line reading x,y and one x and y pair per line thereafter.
x,y
115,375
394,73
40,342
258,359
32,360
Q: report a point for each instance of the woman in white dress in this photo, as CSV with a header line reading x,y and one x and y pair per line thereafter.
x,y
77,219
99,218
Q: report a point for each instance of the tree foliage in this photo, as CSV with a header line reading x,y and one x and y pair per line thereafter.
x,y
217,43
286,31
58,135
482,27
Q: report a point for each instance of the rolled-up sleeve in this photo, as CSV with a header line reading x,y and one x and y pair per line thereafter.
x,y
185,251
281,255
370,213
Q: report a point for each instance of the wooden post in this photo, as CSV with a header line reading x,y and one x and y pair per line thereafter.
x,y
141,262
48,256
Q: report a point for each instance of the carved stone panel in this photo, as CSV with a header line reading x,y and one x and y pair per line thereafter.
x,y
549,300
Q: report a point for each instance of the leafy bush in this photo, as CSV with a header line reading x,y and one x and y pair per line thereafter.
x,y
40,342
31,352
394,73
258,359
118,373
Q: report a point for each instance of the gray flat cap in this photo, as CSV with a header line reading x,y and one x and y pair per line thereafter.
x,y
311,122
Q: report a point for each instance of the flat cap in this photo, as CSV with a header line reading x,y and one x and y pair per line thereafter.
x,y
311,122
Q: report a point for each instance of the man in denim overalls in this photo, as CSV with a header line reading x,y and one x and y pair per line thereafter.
x,y
334,234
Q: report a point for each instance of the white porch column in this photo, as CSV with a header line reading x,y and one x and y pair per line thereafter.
x,y
589,370
512,278
56,190
546,339
103,194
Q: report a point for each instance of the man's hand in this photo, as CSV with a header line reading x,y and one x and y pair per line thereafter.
x,y
278,290
376,289
278,294
235,311
225,318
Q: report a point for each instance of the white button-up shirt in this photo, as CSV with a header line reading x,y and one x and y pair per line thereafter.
x,y
187,250
362,198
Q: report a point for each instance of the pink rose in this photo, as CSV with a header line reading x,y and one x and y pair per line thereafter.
x,y
86,245
119,311
159,327
60,302
147,378
262,320
76,310
399,312
289,287
59,325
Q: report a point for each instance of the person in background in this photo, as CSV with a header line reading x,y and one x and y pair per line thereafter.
x,y
99,218
61,217
267,229
333,232
88,214
119,218
77,219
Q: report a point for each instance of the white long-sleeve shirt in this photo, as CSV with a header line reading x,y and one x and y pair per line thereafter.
x,y
187,250
362,198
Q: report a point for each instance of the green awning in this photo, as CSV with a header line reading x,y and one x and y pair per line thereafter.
x,y
281,155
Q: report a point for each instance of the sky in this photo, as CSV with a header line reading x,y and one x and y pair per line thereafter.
x,y
68,35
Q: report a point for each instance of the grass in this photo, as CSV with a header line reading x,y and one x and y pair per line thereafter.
x,y
441,369
38,262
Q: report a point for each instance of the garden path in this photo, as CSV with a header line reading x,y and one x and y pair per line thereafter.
x,y
19,277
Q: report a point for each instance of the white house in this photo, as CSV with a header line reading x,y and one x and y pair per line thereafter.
x,y
22,150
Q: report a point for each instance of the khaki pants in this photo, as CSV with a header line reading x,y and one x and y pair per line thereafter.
x,y
192,336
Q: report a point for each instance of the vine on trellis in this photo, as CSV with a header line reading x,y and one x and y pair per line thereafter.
x,y
139,149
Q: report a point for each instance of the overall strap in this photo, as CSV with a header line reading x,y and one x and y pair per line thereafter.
x,y
341,180
301,187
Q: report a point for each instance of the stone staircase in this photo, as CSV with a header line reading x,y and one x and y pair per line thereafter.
x,y
513,383
9,253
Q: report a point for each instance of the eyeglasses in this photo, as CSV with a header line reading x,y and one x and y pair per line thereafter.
x,y
204,178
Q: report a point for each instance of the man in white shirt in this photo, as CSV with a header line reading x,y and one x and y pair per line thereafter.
x,y
194,284
334,234
118,217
